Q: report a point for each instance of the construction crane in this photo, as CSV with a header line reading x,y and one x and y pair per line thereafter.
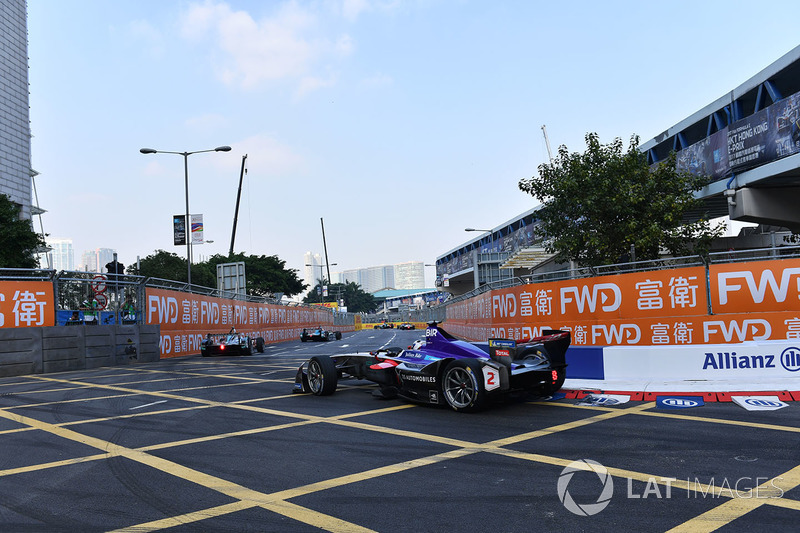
x,y
547,143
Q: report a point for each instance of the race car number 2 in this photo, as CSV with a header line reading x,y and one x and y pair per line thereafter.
x,y
491,378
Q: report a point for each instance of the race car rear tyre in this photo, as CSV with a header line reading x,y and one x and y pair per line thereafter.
x,y
462,385
260,344
322,375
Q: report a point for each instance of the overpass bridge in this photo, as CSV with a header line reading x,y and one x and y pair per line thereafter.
x,y
747,141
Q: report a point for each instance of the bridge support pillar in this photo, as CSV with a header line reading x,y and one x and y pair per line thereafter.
x,y
774,206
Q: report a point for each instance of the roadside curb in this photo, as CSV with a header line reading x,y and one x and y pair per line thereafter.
x,y
708,396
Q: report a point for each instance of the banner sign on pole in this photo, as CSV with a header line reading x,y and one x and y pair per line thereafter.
x,y
197,229
179,230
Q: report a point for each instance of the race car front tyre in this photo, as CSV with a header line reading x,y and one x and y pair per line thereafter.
x,y
338,335
322,375
260,344
462,385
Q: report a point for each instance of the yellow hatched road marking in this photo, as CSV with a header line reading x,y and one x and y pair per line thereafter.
x,y
276,502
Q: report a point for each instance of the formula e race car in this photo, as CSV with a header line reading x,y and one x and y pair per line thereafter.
x,y
319,334
447,370
231,343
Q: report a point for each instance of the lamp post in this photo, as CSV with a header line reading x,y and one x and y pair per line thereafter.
x,y
321,279
187,221
491,245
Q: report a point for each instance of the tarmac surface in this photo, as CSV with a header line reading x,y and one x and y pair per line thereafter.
x,y
221,444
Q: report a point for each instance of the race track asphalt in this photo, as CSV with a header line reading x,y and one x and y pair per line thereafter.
x,y
221,444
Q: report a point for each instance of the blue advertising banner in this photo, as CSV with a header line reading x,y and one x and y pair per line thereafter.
x,y
763,137
678,402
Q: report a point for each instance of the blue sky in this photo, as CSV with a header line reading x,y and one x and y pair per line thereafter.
x,y
399,122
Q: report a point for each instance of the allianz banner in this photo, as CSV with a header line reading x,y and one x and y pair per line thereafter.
x,y
186,318
755,301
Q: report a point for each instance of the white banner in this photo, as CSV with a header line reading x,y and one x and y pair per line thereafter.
x,y
197,229
748,360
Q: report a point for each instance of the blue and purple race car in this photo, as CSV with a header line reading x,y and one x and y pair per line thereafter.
x,y
447,370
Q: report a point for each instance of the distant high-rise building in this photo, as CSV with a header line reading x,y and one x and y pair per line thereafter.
x,y
313,269
61,253
409,275
15,135
96,260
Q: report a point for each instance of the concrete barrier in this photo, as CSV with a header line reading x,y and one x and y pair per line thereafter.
x,y
62,348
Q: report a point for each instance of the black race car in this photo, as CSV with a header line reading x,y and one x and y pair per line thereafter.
x,y
319,334
406,325
447,370
231,343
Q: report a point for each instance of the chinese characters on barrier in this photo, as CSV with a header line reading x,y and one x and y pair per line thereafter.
x,y
185,319
734,303
26,304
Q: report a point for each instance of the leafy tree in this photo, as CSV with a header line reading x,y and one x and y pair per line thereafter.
x,y
18,241
161,264
597,204
266,274
356,300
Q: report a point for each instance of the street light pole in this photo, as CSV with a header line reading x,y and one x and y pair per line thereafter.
x,y
321,278
187,223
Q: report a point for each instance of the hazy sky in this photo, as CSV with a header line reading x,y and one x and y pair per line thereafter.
x,y
399,122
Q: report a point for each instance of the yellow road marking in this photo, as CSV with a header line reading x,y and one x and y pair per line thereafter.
x,y
276,502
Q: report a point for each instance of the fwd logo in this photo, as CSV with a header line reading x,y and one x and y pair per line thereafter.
x,y
752,329
504,305
165,310
609,295
758,291
613,334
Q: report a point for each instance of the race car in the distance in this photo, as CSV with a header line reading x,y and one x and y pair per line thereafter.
x,y
383,325
319,334
446,370
406,326
231,343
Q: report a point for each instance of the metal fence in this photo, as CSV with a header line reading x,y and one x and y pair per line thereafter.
x,y
104,298
758,254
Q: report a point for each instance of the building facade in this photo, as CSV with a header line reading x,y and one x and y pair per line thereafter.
x,y
402,276
96,260
62,254
15,133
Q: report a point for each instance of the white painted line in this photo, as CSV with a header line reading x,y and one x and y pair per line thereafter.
x,y
147,405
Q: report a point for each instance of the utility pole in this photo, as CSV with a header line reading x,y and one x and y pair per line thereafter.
x,y
325,246
238,197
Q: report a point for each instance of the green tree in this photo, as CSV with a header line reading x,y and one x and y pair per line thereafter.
x,y
266,274
18,241
355,299
597,204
